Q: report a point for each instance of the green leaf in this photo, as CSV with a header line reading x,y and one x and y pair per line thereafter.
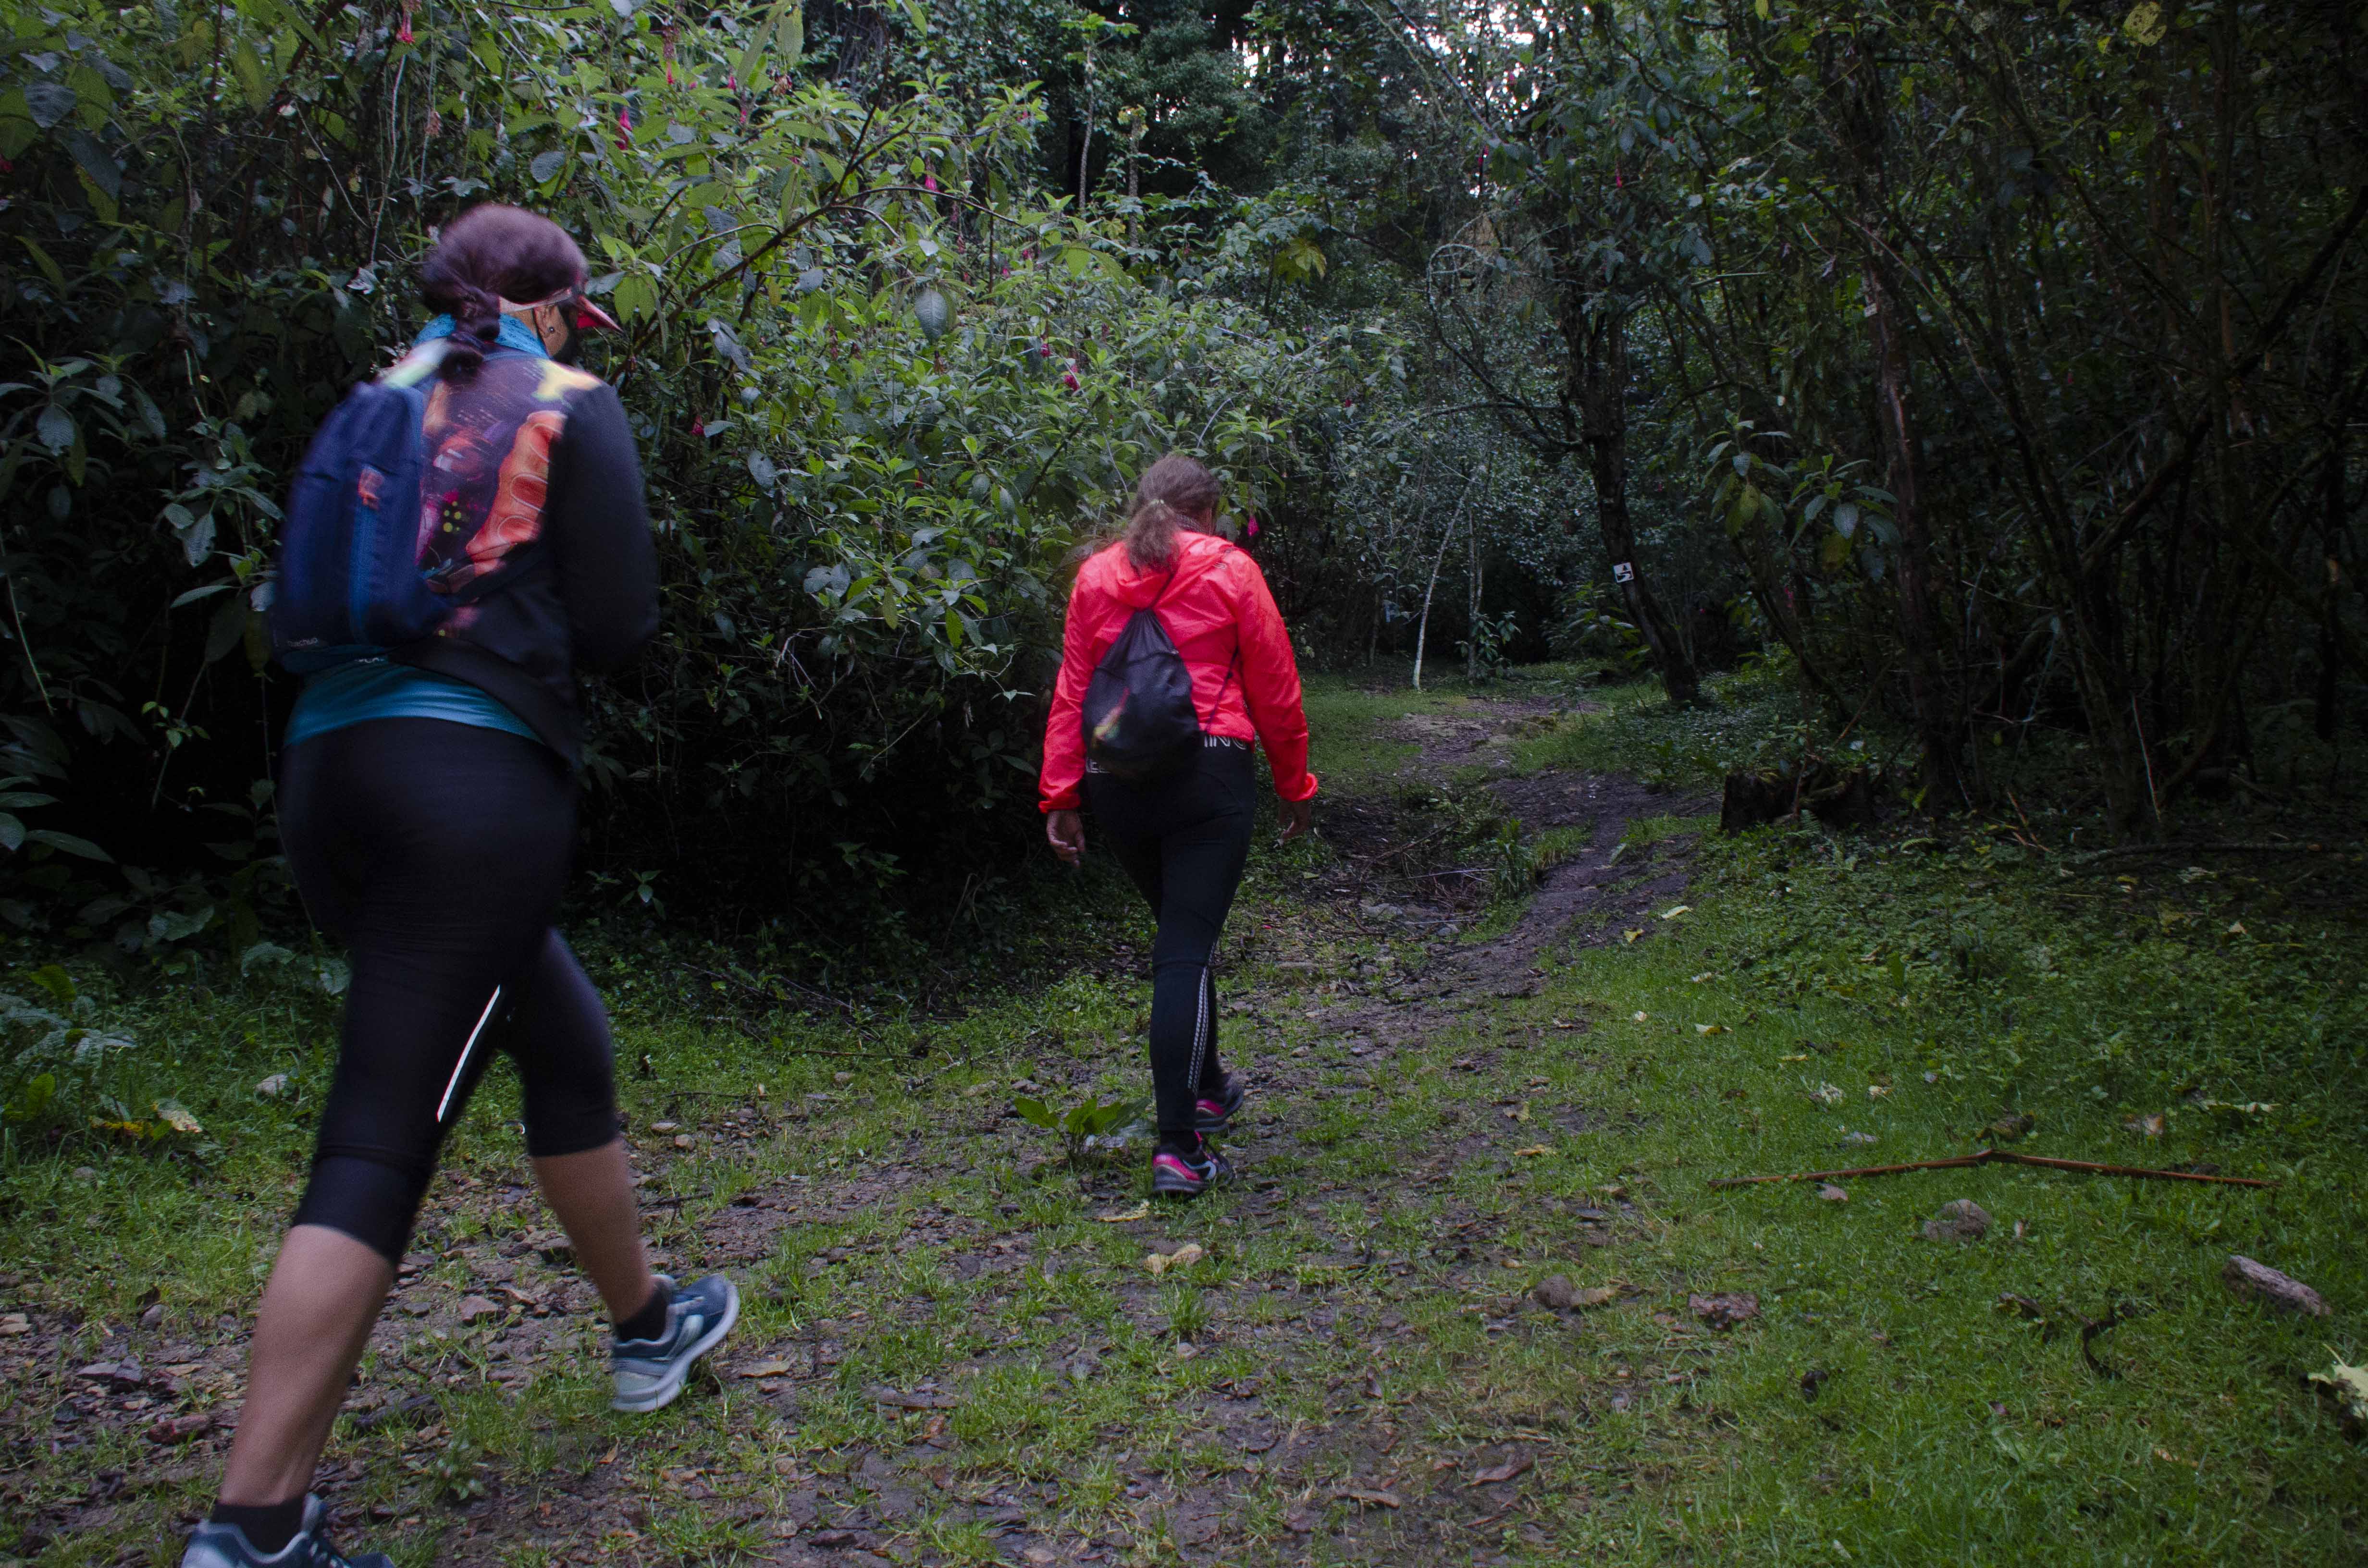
x,y
247,66
754,55
56,428
929,308
57,983
12,832
31,1098
49,270
1036,1113
67,844
546,166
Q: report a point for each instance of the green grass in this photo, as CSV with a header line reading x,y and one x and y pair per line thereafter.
x,y
1969,977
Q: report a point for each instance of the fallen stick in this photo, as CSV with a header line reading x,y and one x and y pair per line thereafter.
x,y
1996,1156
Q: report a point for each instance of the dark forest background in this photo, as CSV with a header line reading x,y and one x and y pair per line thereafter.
x,y
1996,371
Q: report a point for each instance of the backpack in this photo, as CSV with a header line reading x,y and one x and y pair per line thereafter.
x,y
349,584
1139,722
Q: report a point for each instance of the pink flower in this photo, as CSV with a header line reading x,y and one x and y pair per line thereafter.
x,y
1069,380
624,125
699,428
1044,351
1251,529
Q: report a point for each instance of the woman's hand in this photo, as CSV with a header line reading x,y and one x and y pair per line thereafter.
x,y
1066,831
1296,816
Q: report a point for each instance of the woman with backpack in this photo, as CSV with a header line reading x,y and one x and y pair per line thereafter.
x,y
428,804
1174,661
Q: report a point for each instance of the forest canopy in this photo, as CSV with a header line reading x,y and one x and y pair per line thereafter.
x,y
1993,370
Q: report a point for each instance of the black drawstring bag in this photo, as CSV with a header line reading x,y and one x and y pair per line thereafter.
x,y
1139,722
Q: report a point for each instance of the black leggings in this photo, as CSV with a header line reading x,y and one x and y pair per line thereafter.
x,y
1184,842
437,852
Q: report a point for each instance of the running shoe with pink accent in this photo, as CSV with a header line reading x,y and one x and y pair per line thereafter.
x,y
1175,1174
1215,1114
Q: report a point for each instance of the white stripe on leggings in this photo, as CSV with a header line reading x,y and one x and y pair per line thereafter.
x,y
462,1065
1201,1023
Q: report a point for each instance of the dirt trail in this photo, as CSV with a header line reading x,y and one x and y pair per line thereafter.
x,y
1324,1313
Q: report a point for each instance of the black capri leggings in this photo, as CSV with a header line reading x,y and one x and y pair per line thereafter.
x,y
437,852
1184,842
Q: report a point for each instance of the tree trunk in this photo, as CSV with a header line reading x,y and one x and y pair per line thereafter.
x,y
1936,726
1599,375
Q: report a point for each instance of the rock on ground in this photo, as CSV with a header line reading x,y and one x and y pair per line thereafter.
x,y
1962,1220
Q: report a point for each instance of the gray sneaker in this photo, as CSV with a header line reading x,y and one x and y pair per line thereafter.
x,y
650,1372
226,1546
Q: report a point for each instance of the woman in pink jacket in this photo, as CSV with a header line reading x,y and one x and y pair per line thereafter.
x,y
1185,837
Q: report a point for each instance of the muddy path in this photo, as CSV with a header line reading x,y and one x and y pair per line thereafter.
x,y
953,1352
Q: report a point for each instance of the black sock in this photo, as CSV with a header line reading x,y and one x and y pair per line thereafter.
x,y
650,1323
1191,1145
268,1527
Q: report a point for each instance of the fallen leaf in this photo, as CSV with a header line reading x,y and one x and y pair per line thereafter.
x,y
1831,1194
682,1141
1877,1091
1496,1474
2350,1385
271,1088
1681,909
1369,1494
775,1369
1706,974
1826,1095
2145,1126
1533,1151
1641,1015
1711,1028
477,1307
173,1114
920,1398
1184,1256
1801,1056
664,1126
1595,1296
14,1324
1724,1310
2281,1291
1128,1216
2168,1458
1630,936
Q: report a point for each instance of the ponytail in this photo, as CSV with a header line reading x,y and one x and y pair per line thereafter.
x,y
1173,493
487,254
476,328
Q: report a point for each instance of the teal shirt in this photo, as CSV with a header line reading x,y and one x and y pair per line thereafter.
x,y
368,689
